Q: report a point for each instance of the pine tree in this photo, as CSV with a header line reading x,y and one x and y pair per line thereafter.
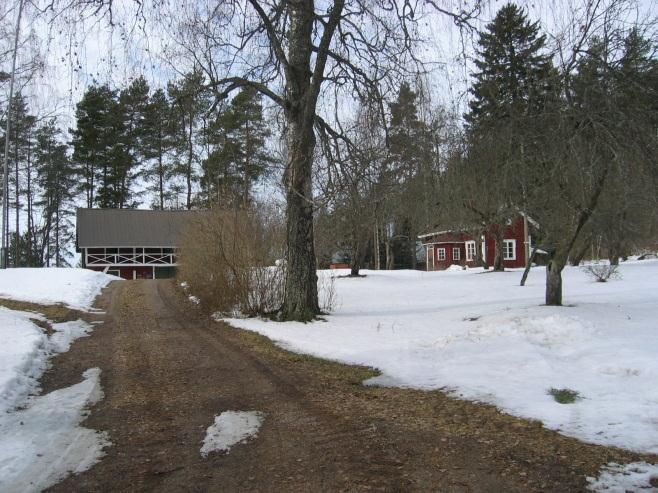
x,y
56,177
189,103
240,157
158,141
21,142
130,125
95,141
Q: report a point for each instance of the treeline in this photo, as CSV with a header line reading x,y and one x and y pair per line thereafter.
x,y
574,145
380,189
165,148
177,143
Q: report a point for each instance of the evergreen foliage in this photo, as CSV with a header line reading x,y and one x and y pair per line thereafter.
x,y
239,157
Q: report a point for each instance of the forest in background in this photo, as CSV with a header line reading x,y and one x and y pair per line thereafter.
x,y
565,132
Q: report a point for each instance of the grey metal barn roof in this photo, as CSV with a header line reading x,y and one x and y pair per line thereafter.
x,y
131,227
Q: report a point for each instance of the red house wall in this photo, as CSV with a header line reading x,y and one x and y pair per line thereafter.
x,y
513,231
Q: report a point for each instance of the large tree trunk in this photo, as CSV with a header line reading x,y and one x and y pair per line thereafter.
x,y
554,282
301,298
301,290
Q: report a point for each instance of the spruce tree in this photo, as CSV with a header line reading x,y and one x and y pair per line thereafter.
x,y
410,149
511,88
514,72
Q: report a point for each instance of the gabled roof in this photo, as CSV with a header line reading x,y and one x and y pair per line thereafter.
x,y
131,227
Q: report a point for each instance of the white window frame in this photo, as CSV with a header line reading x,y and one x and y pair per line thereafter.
x,y
506,249
456,253
470,250
441,253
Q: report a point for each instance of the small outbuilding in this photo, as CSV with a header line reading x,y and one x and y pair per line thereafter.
x,y
131,243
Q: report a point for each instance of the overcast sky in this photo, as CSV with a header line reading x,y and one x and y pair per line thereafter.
x,y
78,53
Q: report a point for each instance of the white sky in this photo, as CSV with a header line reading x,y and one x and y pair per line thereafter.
x,y
78,53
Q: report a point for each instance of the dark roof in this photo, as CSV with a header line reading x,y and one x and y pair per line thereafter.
x,y
131,227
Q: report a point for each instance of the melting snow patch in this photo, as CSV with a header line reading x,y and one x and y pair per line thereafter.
x,y
229,428
615,478
42,444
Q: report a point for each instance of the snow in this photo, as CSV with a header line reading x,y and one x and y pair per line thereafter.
x,y
41,440
44,443
482,337
75,288
230,428
615,478
23,355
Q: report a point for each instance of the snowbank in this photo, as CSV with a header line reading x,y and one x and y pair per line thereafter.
x,y
23,355
75,288
44,443
488,339
40,438
229,428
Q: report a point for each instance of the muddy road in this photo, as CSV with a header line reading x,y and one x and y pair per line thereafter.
x,y
167,371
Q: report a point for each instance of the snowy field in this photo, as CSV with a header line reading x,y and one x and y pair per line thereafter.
x,y
41,440
483,337
75,288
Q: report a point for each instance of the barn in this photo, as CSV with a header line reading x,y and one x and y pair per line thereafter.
x,y
131,243
446,248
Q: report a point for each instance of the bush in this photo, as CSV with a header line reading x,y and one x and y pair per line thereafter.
x,y
228,260
602,271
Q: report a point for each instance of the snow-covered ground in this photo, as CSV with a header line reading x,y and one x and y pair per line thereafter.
x,y
75,288
483,337
615,478
41,440
230,428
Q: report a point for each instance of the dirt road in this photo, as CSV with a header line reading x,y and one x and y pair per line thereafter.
x,y
167,371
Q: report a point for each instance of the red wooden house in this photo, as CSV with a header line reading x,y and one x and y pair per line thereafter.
x,y
446,248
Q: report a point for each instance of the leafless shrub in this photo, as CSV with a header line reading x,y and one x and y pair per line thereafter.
x,y
602,271
327,292
227,259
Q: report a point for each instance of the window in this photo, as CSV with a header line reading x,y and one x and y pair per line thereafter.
x,y
441,253
456,253
509,249
470,251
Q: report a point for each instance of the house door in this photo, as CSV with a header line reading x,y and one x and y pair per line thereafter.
x,y
430,257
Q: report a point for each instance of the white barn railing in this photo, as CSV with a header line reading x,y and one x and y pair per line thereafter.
x,y
134,257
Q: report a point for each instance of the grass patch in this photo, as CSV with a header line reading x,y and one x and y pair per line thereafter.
x,y
564,396
56,313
